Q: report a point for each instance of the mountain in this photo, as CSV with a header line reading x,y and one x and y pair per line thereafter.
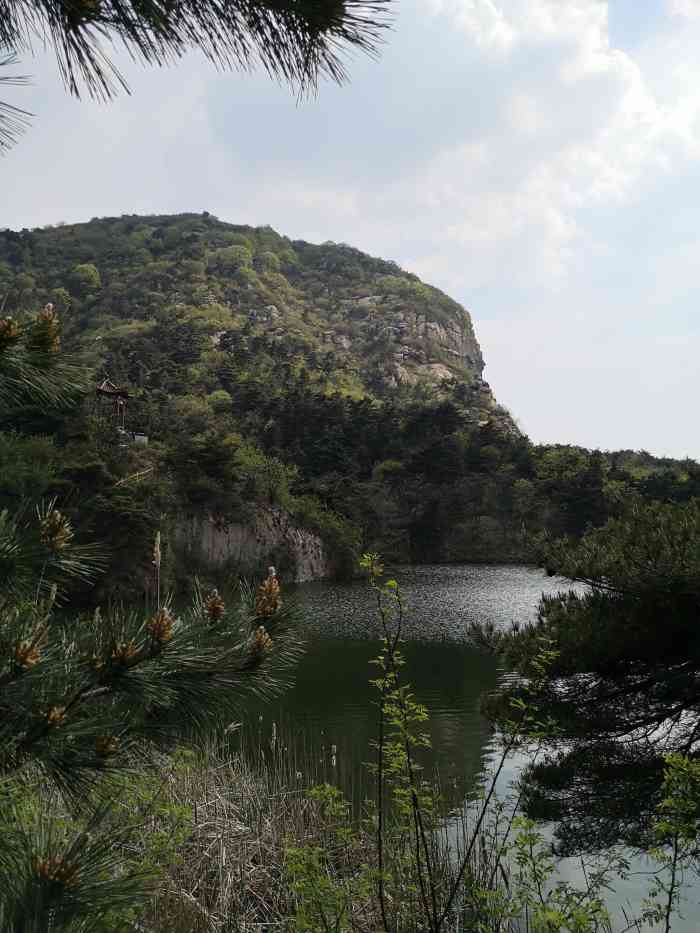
x,y
329,314
285,402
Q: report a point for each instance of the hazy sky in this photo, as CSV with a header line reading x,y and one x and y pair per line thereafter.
x,y
539,160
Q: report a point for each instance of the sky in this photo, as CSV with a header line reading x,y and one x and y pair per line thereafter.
x,y
538,160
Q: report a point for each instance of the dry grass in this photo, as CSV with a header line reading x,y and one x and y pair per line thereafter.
x,y
246,808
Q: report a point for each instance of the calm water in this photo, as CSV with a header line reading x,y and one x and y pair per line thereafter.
x,y
329,715
332,702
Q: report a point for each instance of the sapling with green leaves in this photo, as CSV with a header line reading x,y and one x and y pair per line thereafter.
x,y
400,735
497,874
676,832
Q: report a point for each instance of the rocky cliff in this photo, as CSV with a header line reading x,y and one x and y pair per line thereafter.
x,y
420,347
271,538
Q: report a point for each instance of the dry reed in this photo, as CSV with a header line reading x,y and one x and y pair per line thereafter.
x,y
247,806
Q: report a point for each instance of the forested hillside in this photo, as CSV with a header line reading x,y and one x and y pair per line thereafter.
x,y
274,374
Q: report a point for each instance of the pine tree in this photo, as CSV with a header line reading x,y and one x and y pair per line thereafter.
x,y
623,689
82,700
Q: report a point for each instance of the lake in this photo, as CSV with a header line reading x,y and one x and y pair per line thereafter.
x,y
329,717
332,702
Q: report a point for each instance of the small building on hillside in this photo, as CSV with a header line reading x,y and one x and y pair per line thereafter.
x,y
114,399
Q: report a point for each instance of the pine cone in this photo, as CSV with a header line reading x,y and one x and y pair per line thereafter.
x,y
55,869
125,654
262,643
214,606
55,532
44,335
106,745
9,332
268,600
26,655
161,628
56,716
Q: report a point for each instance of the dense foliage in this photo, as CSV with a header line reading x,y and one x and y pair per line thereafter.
x,y
621,691
268,373
82,700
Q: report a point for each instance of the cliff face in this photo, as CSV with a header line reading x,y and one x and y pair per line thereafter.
x,y
270,539
419,348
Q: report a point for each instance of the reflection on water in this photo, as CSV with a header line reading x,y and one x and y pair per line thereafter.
x,y
329,715
441,600
332,702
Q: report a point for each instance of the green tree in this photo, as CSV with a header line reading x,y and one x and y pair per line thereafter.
x,y
231,259
81,701
622,690
28,467
269,261
220,401
85,278
61,299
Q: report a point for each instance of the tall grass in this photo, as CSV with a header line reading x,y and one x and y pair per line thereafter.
x,y
240,807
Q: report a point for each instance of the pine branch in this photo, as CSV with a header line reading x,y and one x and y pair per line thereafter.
x,y
13,120
88,697
32,370
38,554
296,41
83,702
61,879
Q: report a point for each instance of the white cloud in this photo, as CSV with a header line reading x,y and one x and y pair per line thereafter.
x,y
524,114
505,22
482,19
585,129
502,149
685,9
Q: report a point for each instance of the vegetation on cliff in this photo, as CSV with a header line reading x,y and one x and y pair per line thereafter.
x,y
316,379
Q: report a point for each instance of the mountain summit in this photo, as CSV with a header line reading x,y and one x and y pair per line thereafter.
x,y
140,294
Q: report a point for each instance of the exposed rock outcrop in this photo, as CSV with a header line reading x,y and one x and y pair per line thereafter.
x,y
271,537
